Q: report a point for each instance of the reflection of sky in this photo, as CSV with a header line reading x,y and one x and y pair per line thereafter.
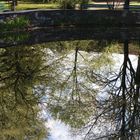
x,y
59,131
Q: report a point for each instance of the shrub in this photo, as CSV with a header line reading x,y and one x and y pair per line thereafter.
x,y
17,23
70,4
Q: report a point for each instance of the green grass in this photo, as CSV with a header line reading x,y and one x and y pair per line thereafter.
x,y
134,3
27,6
3,6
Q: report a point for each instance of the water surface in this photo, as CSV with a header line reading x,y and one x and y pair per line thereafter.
x,y
87,80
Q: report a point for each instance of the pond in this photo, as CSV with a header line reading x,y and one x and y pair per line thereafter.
x,y
70,84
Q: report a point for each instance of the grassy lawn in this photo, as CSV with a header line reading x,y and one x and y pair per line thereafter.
x,y
27,6
134,3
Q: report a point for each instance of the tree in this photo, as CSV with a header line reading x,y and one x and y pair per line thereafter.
x,y
126,4
70,4
14,3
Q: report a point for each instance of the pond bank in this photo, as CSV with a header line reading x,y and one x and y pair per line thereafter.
x,y
92,18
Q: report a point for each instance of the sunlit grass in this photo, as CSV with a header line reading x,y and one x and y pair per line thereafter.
x,y
36,6
134,3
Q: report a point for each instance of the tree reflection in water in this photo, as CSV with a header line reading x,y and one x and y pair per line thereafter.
x,y
116,116
67,80
19,111
122,108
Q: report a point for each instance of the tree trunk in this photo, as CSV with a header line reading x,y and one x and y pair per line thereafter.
x,y
13,5
126,4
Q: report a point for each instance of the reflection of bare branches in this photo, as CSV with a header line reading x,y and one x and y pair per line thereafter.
x,y
122,106
137,81
75,81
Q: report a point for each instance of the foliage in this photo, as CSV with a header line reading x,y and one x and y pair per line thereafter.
x,y
12,24
70,4
67,4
